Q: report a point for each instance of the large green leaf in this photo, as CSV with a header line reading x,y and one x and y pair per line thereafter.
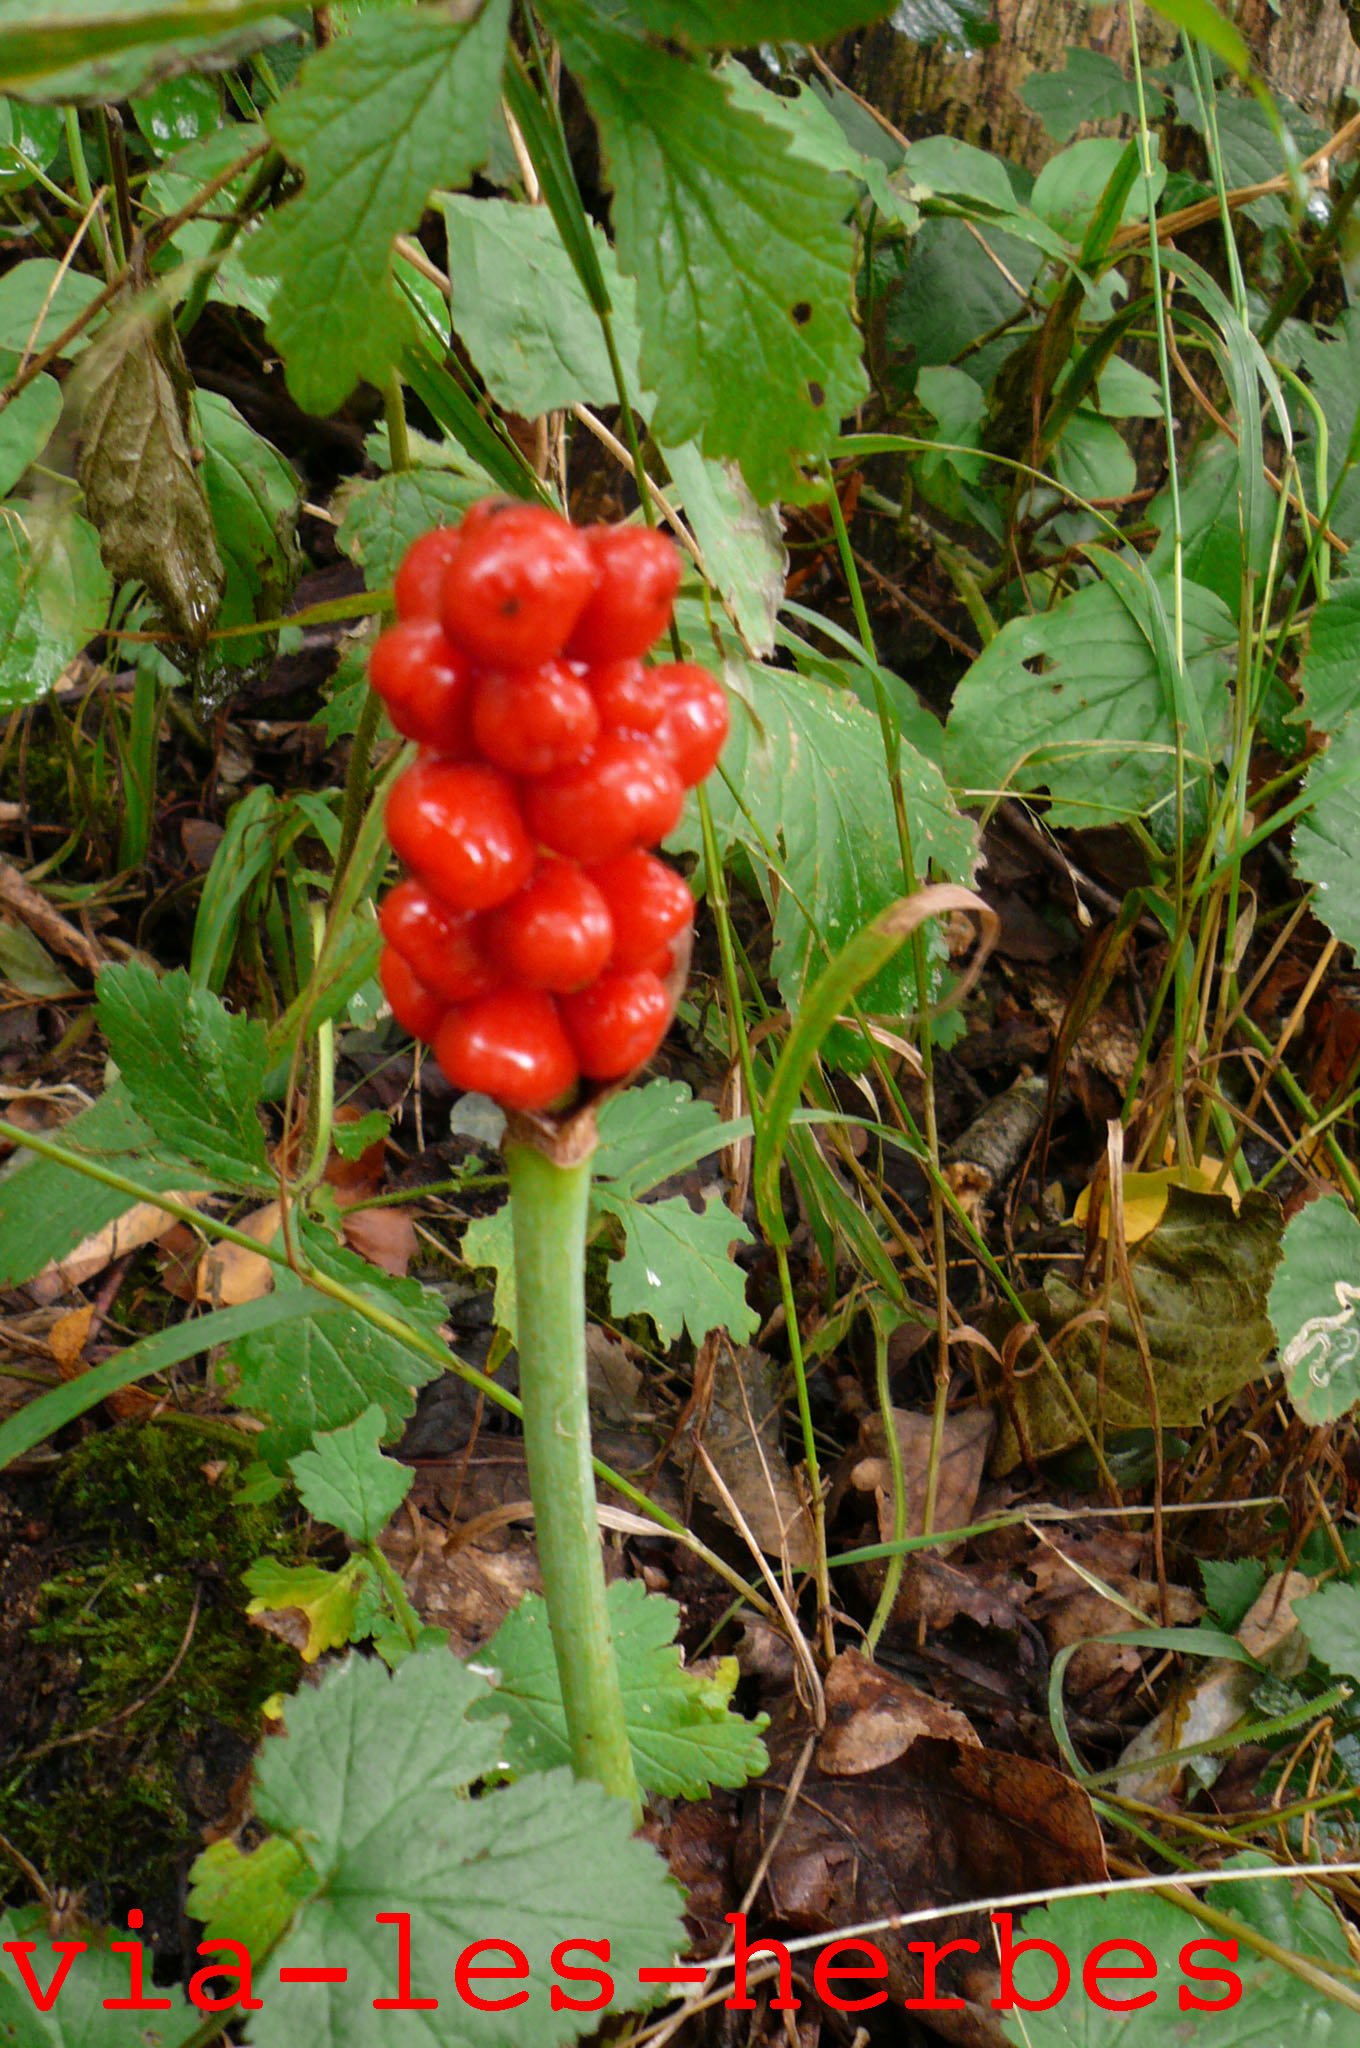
x,y
1329,679
741,252
683,1734
1327,838
372,1785
376,120
1073,701
99,1977
1090,87
1315,1308
54,595
38,300
193,1070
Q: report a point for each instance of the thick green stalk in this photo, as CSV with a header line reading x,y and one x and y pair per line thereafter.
x,y
549,1205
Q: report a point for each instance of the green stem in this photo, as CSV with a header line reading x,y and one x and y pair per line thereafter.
x,y
549,1206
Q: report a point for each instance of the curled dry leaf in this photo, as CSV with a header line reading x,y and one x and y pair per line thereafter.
x,y
386,1237
229,1274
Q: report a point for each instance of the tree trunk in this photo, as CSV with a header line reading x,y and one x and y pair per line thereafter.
x,y
1306,53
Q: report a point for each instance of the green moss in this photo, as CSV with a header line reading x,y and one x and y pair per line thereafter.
x,y
151,1535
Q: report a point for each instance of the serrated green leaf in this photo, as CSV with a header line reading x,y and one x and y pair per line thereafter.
x,y
1331,358
519,306
742,256
1090,87
372,1783
345,1479
489,1245
808,769
741,542
351,1141
78,2018
376,121
816,135
193,1071
326,1370
649,1132
1071,700
1272,2006
683,1734
1315,1309
325,1600
136,467
253,495
1331,1621
677,1267
1329,679
184,175
250,1897
25,427
384,516
54,596
1231,1585
1327,838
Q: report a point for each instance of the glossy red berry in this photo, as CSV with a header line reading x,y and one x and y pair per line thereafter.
x,y
639,574
625,695
529,721
416,1008
624,793
457,827
516,587
425,684
419,584
616,1023
439,945
649,904
693,724
510,1046
556,933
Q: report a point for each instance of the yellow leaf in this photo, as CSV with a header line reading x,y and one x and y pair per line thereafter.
x,y
1145,1196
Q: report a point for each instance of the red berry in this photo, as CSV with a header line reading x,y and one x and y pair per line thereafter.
x,y
510,1046
625,695
416,1008
693,724
529,721
624,793
649,904
457,826
639,573
425,684
516,586
438,945
616,1023
420,579
556,934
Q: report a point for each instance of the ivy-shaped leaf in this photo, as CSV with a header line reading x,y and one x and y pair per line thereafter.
x,y
345,1480
741,252
677,1267
377,120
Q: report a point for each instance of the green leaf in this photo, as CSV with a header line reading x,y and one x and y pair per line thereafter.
x,y
1125,392
36,131
1329,678
178,181
1093,459
1071,700
325,1373
345,1479
1327,838
683,1734
25,428
741,542
520,308
38,299
741,253
488,1245
372,1784
376,120
1314,1305
1231,1585
1331,358
1090,87
324,1601
1272,2006
1211,499
942,167
78,2018
70,49
731,24
253,495
958,24
1068,189
808,768
818,136
1331,1621
249,1897
193,1070
136,467
54,596
677,1267
384,516
178,111
650,1132
1202,19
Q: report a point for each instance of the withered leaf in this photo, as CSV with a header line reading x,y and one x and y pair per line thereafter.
x,y
136,467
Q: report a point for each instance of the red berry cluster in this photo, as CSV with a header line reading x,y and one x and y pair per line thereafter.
x,y
531,943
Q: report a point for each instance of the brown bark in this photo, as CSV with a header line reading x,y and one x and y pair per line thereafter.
x,y
1306,52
